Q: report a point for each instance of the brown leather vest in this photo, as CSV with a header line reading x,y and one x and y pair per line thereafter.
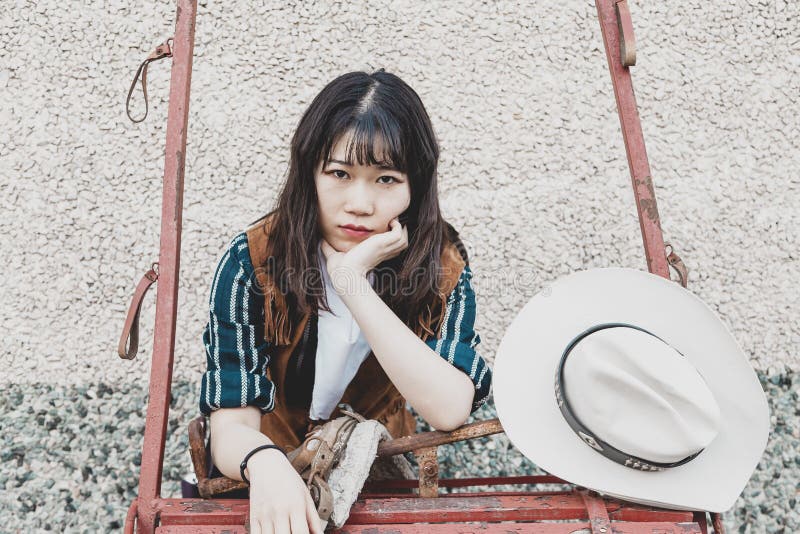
x,y
370,393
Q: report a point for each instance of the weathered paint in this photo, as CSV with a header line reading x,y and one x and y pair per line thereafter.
x,y
641,178
485,512
169,267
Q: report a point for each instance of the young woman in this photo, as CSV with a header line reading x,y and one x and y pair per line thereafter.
x,y
353,290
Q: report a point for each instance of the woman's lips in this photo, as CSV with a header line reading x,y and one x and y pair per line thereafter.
x,y
355,233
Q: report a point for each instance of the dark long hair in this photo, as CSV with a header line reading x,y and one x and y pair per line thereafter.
x,y
377,106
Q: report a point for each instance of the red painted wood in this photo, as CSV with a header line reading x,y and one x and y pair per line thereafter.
x,y
596,510
526,528
465,482
204,512
632,512
641,178
390,495
480,507
700,518
461,508
214,529
168,267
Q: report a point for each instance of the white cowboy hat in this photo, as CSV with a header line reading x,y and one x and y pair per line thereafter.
x,y
626,383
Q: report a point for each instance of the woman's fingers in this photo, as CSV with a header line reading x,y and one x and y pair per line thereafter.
x,y
399,233
266,527
402,235
312,517
281,523
301,521
298,523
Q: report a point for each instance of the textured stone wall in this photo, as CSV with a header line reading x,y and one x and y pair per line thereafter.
x,y
533,170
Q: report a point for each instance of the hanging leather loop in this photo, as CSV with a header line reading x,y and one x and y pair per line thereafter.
x,y
676,263
131,328
161,51
627,41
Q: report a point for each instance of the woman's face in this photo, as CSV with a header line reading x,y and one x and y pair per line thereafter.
x,y
350,194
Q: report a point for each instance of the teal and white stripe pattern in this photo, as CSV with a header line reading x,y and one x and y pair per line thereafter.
x,y
237,354
457,338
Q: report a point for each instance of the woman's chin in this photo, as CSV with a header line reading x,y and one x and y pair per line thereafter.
x,y
344,244
341,245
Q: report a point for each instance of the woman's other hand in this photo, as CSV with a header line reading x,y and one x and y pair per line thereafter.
x,y
366,255
280,502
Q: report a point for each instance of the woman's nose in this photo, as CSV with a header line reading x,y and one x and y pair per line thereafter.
x,y
359,200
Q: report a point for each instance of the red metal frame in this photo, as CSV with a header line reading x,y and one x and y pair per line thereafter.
x,y
380,510
169,265
493,512
642,181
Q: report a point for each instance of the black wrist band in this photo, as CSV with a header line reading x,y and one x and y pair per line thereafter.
x,y
243,465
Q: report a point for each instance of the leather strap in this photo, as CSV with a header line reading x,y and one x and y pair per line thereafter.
x,y
319,452
131,328
676,263
627,41
161,51
596,510
322,495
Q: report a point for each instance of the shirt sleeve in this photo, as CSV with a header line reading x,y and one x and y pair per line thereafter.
x,y
236,351
457,338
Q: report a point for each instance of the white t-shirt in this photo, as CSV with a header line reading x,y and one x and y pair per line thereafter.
x,y
341,349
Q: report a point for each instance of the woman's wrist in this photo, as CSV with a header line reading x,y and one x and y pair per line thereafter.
x,y
347,279
268,456
267,453
265,459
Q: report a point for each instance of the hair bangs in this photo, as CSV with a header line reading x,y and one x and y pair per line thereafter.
x,y
372,139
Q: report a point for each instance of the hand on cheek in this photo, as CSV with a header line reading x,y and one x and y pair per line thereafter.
x,y
369,253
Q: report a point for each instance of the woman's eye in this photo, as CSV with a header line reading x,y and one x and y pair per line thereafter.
x,y
387,179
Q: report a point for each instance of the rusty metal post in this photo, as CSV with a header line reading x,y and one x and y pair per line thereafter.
x,y
428,461
169,265
616,25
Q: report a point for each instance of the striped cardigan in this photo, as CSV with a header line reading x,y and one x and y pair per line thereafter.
x,y
237,354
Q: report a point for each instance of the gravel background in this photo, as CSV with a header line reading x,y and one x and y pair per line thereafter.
x,y
69,457
533,173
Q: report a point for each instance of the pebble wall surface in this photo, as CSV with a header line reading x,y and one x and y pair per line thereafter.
x,y
70,457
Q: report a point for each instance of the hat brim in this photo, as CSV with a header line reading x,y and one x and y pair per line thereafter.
x,y
528,356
